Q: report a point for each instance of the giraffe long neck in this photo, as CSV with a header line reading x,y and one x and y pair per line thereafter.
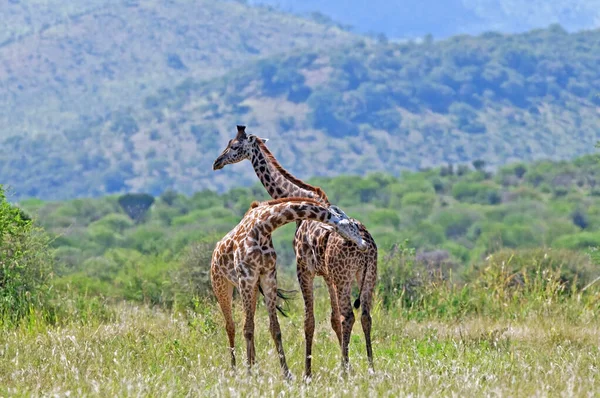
x,y
278,182
284,213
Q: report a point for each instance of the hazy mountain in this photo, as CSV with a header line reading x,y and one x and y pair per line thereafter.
x,y
443,18
64,60
353,109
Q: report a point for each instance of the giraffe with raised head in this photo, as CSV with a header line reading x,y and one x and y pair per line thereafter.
x,y
318,250
245,258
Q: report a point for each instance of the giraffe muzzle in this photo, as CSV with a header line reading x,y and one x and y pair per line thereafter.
x,y
218,165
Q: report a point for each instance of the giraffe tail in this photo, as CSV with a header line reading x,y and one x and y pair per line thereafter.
x,y
285,295
369,271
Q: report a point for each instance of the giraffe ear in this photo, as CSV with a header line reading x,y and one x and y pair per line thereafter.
x,y
265,140
337,211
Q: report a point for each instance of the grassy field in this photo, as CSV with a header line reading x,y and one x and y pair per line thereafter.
x,y
517,322
136,351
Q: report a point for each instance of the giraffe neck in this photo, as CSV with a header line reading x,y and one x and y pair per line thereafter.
x,y
278,182
287,212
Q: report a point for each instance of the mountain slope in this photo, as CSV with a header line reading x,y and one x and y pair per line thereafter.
x,y
361,108
61,60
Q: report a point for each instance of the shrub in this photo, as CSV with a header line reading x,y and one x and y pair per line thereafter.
x,y
582,240
387,217
25,264
456,222
113,222
192,279
476,193
423,200
534,271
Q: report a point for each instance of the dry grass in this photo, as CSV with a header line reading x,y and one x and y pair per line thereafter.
x,y
153,353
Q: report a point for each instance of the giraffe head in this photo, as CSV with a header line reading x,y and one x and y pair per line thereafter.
x,y
346,227
238,149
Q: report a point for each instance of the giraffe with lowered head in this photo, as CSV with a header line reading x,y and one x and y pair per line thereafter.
x,y
245,258
318,250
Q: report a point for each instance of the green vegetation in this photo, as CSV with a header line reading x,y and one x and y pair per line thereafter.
x,y
146,352
25,264
496,289
454,217
488,273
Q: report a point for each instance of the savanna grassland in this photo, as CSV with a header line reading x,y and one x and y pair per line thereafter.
x,y
144,352
488,286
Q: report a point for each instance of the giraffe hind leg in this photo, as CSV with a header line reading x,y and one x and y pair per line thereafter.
x,y
305,279
366,300
224,292
248,290
269,285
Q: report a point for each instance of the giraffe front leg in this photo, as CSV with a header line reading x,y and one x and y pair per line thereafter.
x,y
248,288
305,279
269,286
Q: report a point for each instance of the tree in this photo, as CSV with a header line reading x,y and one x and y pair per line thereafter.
x,y
136,205
479,164
580,219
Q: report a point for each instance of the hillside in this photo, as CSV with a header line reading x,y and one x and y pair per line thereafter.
x,y
443,18
64,61
361,108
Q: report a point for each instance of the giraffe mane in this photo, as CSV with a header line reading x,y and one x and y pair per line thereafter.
x,y
317,190
257,203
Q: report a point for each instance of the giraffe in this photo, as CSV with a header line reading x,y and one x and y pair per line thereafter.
x,y
245,258
319,252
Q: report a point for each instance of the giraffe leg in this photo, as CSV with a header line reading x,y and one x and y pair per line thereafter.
x,y
336,322
345,303
248,289
366,300
269,286
224,293
365,319
305,279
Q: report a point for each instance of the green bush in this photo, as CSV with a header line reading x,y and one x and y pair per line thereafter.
x,y
532,270
583,240
456,222
25,264
386,217
471,192
192,278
